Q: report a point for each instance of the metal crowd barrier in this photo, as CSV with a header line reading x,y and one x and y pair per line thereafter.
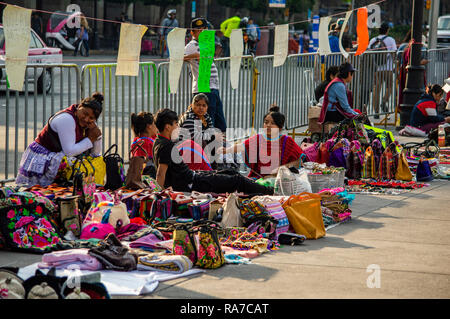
x,y
123,95
291,86
48,88
438,69
237,103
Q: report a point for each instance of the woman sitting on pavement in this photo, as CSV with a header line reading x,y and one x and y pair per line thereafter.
x,y
69,132
144,129
198,127
259,148
337,99
424,114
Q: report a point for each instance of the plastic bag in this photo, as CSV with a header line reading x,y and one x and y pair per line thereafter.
x,y
288,183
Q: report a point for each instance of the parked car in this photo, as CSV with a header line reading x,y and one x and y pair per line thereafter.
x,y
443,31
38,53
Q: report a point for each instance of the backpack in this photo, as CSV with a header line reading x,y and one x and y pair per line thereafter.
x,y
115,177
379,44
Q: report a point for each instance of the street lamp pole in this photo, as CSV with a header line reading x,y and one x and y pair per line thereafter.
x,y
414,86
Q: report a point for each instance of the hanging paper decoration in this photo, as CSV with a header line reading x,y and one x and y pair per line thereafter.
x,y
362,32
206,44
315,33
16,28
236,49
374,19
175,43
344,25
129,49
281,44
324,42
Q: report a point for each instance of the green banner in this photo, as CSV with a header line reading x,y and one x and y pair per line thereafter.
x,y
206,43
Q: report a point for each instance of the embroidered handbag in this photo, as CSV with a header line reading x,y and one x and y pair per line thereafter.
x,y
70,219
25,224
209,252
368,167
275,210
388,165
199,209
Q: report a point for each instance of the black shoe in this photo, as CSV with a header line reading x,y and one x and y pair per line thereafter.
x,y
376,117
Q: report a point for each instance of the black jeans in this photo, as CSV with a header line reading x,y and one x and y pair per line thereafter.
x,y
227,182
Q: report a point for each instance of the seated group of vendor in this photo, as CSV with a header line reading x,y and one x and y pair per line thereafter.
x,y
176,147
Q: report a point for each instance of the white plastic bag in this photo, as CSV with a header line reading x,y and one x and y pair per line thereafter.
x,y
288,183
231,216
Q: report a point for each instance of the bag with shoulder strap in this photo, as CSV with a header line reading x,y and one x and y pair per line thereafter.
x,y
133,179
115,177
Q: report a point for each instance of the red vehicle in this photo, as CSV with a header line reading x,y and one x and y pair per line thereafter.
x,y
38,53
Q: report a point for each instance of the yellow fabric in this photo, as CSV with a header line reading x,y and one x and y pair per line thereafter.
x,y
403,172
229,24
99,166
305,215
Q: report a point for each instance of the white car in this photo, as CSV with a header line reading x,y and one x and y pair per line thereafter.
x,y
443,31
38,53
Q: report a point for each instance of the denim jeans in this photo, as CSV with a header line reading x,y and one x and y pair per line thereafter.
x,y
215,110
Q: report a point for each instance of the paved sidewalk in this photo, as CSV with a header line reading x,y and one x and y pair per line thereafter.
x,y
407,236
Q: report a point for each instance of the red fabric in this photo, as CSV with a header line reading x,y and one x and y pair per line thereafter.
x,y
47,137
147,146
293,46
194,156
426,105
292,152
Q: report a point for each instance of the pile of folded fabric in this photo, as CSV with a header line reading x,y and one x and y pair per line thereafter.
x,y
335,204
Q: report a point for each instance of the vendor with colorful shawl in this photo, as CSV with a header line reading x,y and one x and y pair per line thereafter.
x,y
265,153
337,99
69,132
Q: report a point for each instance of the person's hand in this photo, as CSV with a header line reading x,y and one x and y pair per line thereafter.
x,y
220,151
424,62
93,133
447,119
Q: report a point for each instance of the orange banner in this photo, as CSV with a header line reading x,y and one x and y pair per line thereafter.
x,y
362,32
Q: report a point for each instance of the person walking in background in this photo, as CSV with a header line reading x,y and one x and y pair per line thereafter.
x,y
346,38
333,38
385,69
37,24
82,35
192,56
254,35
226,27
166,26
304,41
